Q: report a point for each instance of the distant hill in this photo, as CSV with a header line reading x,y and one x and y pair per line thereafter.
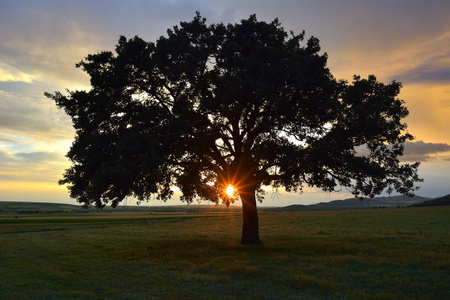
x,y
36,207
12,207
441,201
351,203
356,203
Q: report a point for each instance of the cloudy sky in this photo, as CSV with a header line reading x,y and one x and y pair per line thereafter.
x,y
41,41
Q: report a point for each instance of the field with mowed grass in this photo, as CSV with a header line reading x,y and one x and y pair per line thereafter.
x,y
355,254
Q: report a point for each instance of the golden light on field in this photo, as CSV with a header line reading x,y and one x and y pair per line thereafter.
x,y
230,190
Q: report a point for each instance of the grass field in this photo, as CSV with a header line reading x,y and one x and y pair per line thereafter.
x,y
357,254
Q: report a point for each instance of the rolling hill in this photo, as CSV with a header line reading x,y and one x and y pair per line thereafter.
x,y
441,201
356,203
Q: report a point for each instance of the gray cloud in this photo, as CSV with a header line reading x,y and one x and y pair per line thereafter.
x,y
33,116
36,166
23,159
430,71
23,114
46,38
37,157
421,151
428,62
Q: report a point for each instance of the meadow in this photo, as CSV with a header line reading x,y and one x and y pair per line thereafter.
x,y
354,254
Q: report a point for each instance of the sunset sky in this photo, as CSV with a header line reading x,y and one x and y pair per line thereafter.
x,y
41,41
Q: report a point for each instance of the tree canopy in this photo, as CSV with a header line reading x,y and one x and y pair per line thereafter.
x,y
246,104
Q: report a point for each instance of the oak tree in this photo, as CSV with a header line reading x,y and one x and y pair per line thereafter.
x,y
243,105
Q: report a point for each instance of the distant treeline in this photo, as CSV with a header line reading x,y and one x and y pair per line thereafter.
x,y
40,211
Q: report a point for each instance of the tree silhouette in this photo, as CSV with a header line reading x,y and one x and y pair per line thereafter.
x,y
242,104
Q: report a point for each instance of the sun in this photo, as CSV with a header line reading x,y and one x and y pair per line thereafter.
x,y
230,190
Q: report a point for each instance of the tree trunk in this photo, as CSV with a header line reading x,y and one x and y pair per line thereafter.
x,y
250,229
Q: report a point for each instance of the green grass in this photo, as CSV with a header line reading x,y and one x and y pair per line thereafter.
x,y
77,220
359,254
